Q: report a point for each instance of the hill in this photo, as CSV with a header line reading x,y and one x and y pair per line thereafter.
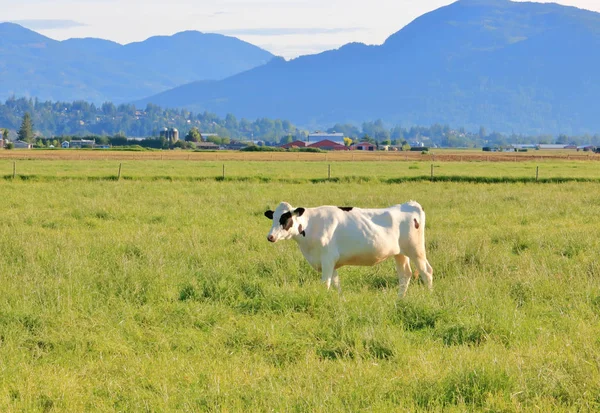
x,y
98,70
523,67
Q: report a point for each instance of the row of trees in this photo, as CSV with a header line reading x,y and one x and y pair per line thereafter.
x,y
445,136
81,118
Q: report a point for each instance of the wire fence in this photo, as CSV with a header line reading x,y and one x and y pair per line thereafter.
x,y
283,171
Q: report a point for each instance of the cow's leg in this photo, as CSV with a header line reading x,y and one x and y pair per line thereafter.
x,y
327,272
425,271
404,273
336,281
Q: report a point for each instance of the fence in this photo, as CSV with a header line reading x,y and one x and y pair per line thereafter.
x,y
555,170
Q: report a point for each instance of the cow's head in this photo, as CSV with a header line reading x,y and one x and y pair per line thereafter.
x,y
285,222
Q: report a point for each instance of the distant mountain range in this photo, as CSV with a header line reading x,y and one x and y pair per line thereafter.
x,y
522,67
98,70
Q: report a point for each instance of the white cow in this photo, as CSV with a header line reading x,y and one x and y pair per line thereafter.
x,y
331,237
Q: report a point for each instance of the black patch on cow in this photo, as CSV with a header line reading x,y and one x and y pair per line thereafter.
x,y
416,223
301,231
346,209
299,211
269,214
286,220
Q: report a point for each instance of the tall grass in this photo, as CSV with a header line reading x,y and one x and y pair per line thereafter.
x,y
164,295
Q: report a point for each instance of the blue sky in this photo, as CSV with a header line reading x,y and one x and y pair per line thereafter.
x,y
288,28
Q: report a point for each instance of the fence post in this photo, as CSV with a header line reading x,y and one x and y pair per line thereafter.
x,y
119,177
329,171
537,173
432,172
14,169
223,171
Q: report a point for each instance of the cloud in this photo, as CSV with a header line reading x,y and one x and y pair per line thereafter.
x,y
48,24
288,31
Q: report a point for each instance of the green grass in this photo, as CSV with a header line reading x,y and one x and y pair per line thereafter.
x,y
165,295
300,171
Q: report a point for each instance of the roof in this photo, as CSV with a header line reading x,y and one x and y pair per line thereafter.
x,y
298,144
328,144
320,136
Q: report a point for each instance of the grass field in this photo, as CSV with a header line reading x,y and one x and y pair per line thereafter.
x,y
164,295
297,171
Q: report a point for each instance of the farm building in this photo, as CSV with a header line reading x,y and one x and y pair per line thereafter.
x,y
81,143
295,144
318,136
551,146
329,146
172,134
22,145
65,145
364,146
207,145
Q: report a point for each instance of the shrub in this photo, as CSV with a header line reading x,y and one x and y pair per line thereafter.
x,y
315,150
254,148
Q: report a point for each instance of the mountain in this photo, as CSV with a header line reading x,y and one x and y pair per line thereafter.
x,y
511,66
98,70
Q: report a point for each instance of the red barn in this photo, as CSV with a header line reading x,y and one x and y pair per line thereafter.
x,y
364,146
329,146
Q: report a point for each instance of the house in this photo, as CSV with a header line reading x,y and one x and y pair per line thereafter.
x,y
236,145
364,146
22,145
329,146
82,143
295,144
207,145
318,136
65,145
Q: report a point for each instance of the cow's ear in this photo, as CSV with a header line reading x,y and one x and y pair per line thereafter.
x,y
269,214
299,211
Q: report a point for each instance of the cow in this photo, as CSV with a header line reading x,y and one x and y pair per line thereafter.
x,y
331,237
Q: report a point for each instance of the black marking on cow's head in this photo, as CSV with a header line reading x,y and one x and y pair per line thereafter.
x,y
269,214
286,220
417,225
346,209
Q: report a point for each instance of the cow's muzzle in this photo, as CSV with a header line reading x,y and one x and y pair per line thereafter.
x,y
271,238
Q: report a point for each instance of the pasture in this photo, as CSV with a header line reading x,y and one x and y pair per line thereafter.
x,y
156,294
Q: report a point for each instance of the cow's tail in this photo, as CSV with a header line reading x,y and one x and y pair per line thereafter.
x,y
425,269
419,223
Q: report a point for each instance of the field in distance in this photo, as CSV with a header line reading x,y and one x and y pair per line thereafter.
x,y
165,295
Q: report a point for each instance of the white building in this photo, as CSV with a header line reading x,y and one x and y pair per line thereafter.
x,y
22,145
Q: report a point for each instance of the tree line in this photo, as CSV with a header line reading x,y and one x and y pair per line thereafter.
x,y
111,124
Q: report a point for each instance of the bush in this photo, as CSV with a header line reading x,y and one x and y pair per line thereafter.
x,y
10,145
315,150
254,148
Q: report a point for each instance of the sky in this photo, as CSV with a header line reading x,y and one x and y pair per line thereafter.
x,y
287,28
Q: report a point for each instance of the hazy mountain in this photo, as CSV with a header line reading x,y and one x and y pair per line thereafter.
x,y
523,67
99,70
